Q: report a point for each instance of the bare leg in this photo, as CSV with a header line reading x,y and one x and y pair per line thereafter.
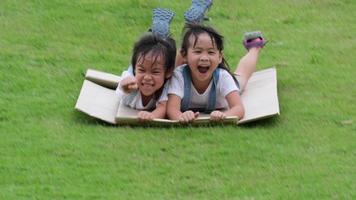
x,y
246,66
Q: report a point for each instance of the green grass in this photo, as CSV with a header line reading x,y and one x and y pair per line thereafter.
x,y
49,151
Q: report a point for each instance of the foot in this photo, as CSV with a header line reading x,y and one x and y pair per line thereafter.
x,y
195,14
161,20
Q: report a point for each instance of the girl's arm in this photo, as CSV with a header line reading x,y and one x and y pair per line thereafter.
x,y
158,113
235,105
173,107
229,89
174,113
128,84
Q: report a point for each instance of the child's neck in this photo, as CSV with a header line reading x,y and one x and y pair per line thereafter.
x,y
146,99
201,86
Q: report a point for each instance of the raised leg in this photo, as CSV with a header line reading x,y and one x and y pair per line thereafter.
x,y
246,66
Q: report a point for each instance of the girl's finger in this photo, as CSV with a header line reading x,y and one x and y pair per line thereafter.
x,y
187,117
133,86
196,114
192,116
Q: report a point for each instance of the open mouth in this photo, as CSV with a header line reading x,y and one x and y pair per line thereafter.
x,y
203,69
147,89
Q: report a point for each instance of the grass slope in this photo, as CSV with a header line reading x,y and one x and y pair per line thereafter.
x,y
49,151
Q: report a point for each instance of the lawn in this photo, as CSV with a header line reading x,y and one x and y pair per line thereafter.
x,y
50,151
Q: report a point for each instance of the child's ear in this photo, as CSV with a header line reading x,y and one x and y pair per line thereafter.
x,y
221,55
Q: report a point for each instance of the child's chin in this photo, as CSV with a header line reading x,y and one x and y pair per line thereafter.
x,y
146,94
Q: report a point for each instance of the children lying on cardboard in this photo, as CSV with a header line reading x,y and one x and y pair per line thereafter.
x,y
202,84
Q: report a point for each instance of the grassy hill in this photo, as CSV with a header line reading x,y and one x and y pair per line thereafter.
x,y
50,151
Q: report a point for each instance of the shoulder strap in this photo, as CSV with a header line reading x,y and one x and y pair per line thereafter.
x,y
212,94
187,88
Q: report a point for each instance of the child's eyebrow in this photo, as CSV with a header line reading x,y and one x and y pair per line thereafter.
x,y
158,66
195,47
200,48
139,65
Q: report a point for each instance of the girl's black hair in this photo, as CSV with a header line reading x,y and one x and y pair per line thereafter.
x,y
156,46
152,44
216,38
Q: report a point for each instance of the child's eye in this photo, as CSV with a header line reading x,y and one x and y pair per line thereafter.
x,y
212,52
140,70
156,72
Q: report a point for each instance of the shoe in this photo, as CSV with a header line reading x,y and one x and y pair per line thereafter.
x,y
253,39
195,14
160,22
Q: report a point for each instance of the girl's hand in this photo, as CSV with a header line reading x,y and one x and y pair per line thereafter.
x,y
145,116
188,116
217,116
129,84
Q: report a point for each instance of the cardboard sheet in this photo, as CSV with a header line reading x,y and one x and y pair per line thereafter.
x,y
126,115
260,100
260,97
102,78
98,102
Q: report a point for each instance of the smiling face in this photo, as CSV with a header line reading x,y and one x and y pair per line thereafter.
x,y
150,74
203,58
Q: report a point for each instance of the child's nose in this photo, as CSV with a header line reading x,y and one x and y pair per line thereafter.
x,y
147,76
204,57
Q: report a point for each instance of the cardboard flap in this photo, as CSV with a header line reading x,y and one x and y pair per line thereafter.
x,y
102,78
260,97
98,101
